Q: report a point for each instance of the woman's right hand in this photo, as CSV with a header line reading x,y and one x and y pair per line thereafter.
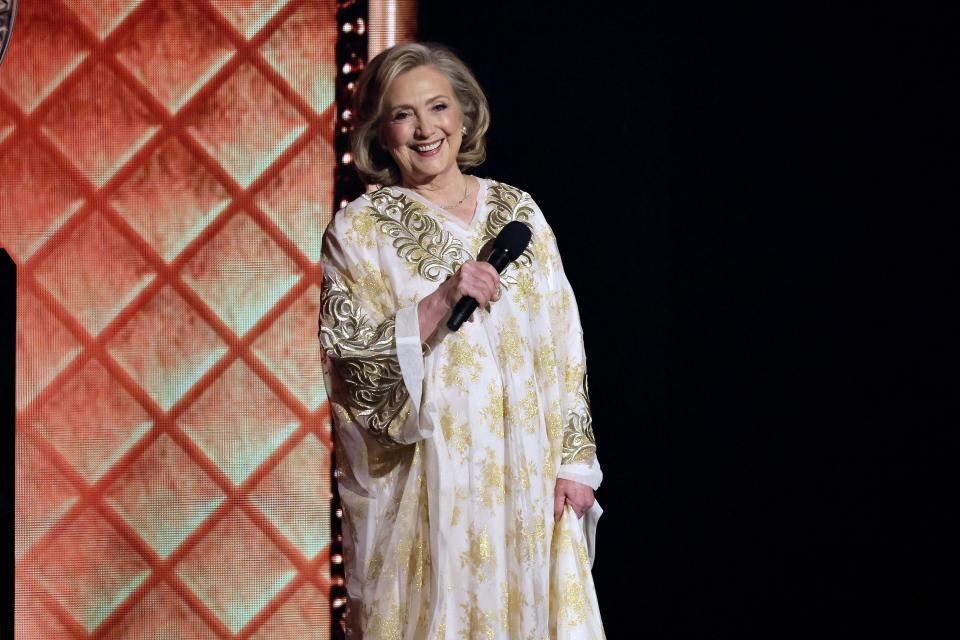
x,y
479,280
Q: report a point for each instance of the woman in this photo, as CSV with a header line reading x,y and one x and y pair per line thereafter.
x,y
464,458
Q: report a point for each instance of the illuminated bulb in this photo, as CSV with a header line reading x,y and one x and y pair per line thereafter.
x,y
351,85
347,68
339,602
347,114
339,511
343,203
336,558
361,26
348,27
347,158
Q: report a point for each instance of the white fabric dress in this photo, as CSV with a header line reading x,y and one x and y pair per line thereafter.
x,y
448,455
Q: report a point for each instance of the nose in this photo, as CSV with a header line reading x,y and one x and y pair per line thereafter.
x,y
425,128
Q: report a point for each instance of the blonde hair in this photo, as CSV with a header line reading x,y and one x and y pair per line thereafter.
x,y
372,161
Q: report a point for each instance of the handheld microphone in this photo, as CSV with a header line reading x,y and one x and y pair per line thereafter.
x,y
507,247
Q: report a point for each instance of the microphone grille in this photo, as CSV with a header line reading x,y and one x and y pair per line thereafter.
x,y
513,238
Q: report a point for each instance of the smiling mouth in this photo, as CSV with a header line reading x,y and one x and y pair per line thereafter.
x,y
427,149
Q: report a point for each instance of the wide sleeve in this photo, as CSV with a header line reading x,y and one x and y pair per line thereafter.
x,y
578,460
371,345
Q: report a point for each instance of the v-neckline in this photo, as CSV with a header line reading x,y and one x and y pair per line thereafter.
x,y
446,215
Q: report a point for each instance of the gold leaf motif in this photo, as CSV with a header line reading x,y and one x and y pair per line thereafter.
x,y
579,444
507,204
365,358
417,236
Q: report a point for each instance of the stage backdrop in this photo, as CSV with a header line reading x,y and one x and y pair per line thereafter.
x,y
167,171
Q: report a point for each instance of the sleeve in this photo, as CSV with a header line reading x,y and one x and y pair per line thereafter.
x,y
372,348
578,460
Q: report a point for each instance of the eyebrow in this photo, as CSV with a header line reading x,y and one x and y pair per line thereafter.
x,y
439,96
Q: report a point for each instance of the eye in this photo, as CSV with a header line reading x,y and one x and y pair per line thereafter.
x,y
440,106
401,115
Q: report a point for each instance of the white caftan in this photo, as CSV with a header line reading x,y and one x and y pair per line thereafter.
x,y
448,454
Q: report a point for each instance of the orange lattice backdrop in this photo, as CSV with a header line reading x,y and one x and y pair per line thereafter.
x,y
166,170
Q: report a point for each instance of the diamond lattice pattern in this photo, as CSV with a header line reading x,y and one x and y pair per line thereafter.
x,y
167,172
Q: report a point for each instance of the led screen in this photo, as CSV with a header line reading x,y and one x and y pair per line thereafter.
x,y
167,172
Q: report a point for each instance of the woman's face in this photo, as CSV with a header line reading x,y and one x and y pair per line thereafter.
x,y
422,125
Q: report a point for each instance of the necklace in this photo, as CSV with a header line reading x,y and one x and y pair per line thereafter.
x,y
466,185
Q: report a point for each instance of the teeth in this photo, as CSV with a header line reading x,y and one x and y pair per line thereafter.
x,y
423,148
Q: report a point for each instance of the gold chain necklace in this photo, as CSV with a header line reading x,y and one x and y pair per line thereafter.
x,y
466,186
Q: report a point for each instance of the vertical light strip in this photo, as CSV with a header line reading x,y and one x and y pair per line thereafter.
x,y
352,39
391,21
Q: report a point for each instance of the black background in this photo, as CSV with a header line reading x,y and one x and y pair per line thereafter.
x,y
746,200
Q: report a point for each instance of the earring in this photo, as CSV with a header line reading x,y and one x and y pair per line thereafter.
x,y
463,129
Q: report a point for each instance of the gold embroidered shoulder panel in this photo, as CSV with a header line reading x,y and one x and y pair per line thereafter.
x,y
417,236
507,204
364,357
579,443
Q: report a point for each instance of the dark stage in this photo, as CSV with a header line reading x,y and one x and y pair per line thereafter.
x,y
742,197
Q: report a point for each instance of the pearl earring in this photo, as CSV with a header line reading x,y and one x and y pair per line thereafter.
x,y
463,130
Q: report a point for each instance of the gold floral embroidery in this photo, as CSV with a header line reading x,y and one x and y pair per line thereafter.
x,y
374,565
545,361
387,625
573,376
493,490
417,236
361,229
475,622
544,251
493,412
516,601
579,444
527,296
479,552
456,434
554,419
529,538
528,409
574,600
461,358
512,347
459,495
371,287
365,358
560,307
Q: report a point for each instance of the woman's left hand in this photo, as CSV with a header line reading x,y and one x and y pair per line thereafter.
x,y
577,495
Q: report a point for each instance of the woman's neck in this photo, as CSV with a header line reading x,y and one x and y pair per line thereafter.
x,y
442,189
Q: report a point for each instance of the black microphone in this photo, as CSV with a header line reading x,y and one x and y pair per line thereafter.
x,y
507,247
